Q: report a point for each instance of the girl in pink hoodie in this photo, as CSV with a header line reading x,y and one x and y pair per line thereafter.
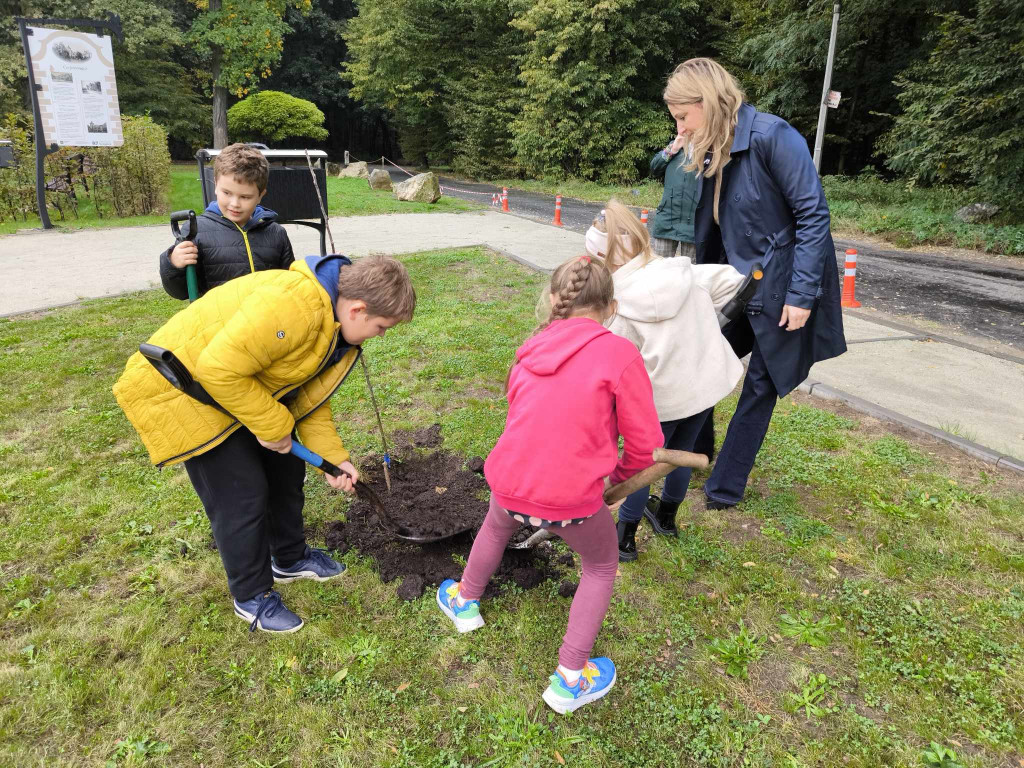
x,y
575,387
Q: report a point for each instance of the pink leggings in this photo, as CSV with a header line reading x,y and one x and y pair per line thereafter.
x,y
594,540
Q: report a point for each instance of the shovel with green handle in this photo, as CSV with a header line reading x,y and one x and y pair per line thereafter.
x,y
665,460
191,278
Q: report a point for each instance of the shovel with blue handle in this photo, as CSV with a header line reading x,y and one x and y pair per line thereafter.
x,y
171,368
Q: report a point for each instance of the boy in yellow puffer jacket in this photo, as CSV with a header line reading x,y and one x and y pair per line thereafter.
x,y
271,348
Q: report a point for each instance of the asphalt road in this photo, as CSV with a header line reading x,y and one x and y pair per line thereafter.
x,y
968,296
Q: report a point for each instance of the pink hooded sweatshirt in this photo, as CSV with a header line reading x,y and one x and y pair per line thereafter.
x,y
577,387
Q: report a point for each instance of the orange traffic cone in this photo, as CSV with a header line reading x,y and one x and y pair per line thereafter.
x,y
850,279
558,211
494,200
504,199
643,217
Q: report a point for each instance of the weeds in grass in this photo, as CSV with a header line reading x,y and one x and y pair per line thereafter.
x,y
136,751
811,697
805,629
939,756
737,651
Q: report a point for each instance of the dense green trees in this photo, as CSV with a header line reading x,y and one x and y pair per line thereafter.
x,y
962,108
932,89
555,87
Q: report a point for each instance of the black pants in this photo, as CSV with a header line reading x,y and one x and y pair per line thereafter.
x,y
749,423
253,497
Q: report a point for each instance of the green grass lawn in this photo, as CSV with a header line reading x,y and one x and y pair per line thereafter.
x,y
865,600
345,197
859,205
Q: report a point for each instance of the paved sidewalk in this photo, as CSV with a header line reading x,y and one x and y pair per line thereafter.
x,y
937,381
47,269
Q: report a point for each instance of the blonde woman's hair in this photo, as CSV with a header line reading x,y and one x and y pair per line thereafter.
x,y
627,237
706,82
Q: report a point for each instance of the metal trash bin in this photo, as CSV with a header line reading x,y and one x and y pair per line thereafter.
x,y
6,154
290,190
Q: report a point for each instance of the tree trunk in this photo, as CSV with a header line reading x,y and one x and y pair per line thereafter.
x,y
220,95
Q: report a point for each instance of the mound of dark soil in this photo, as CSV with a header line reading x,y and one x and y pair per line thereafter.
x,y
431,495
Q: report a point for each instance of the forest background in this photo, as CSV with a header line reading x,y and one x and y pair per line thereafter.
x,y
933,90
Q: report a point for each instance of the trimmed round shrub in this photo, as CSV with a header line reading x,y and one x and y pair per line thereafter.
x,y
270,116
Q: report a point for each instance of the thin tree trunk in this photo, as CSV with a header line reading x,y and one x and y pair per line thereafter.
x,y
220,96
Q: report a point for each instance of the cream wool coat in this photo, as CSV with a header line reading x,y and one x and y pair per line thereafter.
x,y
667,308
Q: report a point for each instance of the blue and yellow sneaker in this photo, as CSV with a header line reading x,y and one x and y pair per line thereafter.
x,y
467,618
314,564
597,679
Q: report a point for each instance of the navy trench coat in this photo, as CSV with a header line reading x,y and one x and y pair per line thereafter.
x,y
772,210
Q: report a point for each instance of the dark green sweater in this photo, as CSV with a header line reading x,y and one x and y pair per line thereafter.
x,y
674,218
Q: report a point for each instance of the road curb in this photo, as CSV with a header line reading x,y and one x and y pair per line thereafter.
x,y
825,392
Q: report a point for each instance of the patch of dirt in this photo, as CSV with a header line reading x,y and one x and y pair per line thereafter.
x,y
568,588
432,495
427,437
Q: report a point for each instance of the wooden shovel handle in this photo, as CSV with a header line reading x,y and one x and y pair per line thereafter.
x,y
666,460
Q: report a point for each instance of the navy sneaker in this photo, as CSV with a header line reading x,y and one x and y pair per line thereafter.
x,y
268,614
315,564
597,679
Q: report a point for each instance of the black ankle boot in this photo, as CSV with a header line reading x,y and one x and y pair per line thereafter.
x,y
627,540
661,515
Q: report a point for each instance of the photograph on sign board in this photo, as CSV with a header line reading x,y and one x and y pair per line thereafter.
x,y
92,86
69,52
61,77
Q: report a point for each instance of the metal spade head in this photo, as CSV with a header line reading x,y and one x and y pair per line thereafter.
x,y
366,492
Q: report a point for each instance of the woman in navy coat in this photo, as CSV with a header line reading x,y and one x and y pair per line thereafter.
x,y
760,201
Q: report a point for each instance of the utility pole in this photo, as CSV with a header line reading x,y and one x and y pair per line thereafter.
x,y
819,137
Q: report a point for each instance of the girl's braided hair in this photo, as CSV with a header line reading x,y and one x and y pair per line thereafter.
x,y
580,284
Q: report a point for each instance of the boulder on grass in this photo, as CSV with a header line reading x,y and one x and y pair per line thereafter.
x,y
380,179
976,212
424,188
355,171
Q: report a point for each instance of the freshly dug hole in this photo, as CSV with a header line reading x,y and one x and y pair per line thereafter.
x,y
431,495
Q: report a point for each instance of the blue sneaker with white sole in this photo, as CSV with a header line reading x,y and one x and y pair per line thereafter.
x,y
314,564
597,679
267,613
466,618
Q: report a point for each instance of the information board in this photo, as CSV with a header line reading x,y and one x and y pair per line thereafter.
x,y
78,94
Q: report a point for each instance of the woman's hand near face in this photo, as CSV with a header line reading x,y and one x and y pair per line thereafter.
x,y
677,145
794,318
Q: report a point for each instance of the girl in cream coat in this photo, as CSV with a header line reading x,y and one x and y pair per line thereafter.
x,y
667,307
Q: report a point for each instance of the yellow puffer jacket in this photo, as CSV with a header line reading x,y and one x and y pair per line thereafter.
x,y
249,342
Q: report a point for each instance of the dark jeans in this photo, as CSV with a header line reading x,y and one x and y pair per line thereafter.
x,y
749,423
679,435
253,497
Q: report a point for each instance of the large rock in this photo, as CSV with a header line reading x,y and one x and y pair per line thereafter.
x,y
355,171
380,179
423,188
977,212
